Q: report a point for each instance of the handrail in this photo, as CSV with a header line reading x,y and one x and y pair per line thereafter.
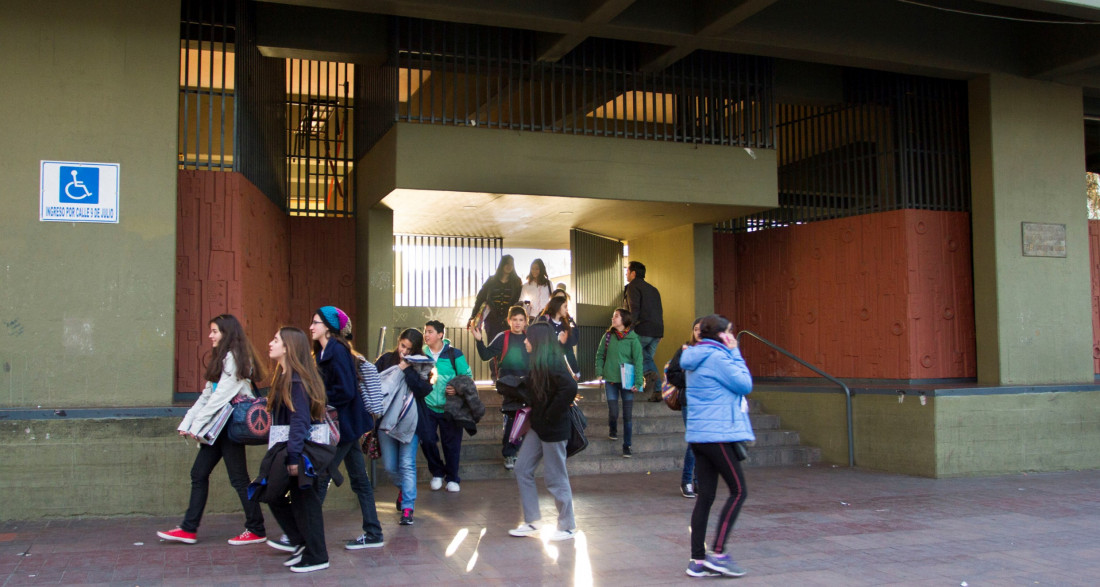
x,y
847,391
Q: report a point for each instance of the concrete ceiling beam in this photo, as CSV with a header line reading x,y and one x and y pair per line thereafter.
x,y
712,19
552,47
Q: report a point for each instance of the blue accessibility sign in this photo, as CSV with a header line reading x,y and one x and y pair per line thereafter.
x,y
80,185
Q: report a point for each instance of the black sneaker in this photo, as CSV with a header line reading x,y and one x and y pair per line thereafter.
x,y
626,452
363,542
406,517
281,544
295,557
612,435
687,490
309,568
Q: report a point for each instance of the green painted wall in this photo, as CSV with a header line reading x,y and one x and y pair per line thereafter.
x,y
995,434
1027,159
433,157
87,310
374,273
147,474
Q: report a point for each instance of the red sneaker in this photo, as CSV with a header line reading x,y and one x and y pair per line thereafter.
x,y
179,535
247,537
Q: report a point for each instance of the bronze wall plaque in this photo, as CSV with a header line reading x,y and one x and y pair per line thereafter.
x,y
1044,240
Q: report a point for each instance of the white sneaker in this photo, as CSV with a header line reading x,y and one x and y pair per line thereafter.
x,y
437,483
524,530
453,487
560,535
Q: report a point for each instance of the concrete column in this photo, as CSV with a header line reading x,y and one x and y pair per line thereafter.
x,y
1032,314
374,275
680,264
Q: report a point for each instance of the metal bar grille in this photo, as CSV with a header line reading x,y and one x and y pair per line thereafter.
x,y
465,75
443,271
319,135
208,37
897,142
259,113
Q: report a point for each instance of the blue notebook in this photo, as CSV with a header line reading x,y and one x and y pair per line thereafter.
x,y
626,371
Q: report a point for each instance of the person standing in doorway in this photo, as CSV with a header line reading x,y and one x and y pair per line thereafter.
x,y
619,355
644,302
536,291
449,363
331,333
508,349
500,292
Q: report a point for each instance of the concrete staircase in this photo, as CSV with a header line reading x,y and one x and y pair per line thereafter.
x,y
658,443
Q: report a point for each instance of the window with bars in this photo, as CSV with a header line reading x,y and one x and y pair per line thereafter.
x,y
320,115
207,124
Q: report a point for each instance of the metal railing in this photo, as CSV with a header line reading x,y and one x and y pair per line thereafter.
x,y
847,391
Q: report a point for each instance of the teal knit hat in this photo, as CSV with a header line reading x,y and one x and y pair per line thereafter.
x,y
336,320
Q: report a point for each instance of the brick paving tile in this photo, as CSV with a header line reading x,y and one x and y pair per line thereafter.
x,y
795,529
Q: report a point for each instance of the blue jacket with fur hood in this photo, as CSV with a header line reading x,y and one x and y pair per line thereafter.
x,y
717,383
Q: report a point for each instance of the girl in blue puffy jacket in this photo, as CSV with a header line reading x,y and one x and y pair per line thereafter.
x,y
717,418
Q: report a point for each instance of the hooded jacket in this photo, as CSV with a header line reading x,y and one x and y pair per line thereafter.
x,y
717,383
417,384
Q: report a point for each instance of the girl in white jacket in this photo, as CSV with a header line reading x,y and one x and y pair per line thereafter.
x,y
229,374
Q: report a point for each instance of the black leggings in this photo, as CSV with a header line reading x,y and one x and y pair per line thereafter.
x,y
714,459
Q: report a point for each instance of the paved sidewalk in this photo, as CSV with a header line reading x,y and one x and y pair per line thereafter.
x,y
800,526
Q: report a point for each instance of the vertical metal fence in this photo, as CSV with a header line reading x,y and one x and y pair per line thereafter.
x,y
897,142
465,75
208,37
442,271
320,116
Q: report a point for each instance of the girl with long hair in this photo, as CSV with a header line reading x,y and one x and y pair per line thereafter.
x,y
556,313
717,418
229,374
550,390
497,294
620,346
399,460
331,334
537,289
675,375
296,401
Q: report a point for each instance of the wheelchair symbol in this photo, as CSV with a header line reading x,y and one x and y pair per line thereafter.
x,y
76,184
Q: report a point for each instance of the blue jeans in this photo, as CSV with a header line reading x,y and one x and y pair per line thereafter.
x,y
614,391
352,457
649,346
688,475
399,461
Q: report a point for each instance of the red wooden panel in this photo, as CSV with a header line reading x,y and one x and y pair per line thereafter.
x,y
884,296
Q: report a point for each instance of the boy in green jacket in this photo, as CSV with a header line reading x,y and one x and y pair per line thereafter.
x,y
449,363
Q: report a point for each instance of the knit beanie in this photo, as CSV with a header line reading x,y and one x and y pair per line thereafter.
x,y
335,319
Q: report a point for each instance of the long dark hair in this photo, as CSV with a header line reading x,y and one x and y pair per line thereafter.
x,y
233,341
546,357
543,279
553,307
298,361
416,341
712,326
506,260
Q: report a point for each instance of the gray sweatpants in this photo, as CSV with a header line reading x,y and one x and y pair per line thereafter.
x,y
531,452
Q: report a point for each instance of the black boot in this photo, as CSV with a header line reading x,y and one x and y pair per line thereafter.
x,y
652,387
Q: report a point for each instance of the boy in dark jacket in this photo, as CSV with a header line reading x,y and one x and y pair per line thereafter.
x,y
508,348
